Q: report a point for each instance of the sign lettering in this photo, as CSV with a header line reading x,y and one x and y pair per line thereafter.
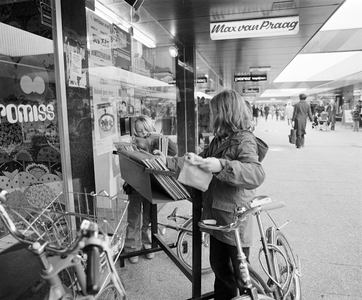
x,y
27,113
251,77
254,28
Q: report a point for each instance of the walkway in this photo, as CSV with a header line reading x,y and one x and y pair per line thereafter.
x,y
321,186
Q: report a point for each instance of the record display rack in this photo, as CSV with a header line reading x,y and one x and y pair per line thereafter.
x,y
151,178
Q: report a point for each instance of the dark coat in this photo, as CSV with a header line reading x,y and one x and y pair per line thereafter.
x,y
234,186
301,112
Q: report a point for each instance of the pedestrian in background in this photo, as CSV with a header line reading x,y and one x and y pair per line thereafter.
x,y
318,110
266,111
302,111
331,110
255,113
356,117
289,109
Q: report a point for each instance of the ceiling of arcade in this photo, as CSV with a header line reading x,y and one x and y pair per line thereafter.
x,y
319,59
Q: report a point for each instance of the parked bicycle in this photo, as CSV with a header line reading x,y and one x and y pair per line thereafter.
x,y
82,270
183,240
280,267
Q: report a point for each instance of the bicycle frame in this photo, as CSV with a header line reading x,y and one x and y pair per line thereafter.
x,y
86,283
177,227
53,265
266,248
256,287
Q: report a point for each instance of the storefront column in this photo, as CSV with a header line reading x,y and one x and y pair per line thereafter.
x,y
186,105
62,102
187,130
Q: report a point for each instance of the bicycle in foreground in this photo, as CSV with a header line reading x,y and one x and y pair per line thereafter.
x,y
82,270
279,264
183,240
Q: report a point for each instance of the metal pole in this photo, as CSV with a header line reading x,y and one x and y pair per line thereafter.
x,y
60,84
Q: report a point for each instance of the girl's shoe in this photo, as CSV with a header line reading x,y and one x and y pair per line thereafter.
x,y
149,255
133,259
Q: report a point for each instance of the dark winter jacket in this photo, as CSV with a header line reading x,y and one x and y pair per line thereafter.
x,y
235,185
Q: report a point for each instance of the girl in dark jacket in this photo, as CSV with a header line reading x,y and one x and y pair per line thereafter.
x,y
236,174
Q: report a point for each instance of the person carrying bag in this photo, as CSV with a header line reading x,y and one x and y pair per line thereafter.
x,y
236,172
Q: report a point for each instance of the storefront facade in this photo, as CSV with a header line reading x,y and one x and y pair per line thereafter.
x,y
72,78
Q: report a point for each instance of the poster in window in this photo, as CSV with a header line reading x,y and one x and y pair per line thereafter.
x,y
121,48
99,37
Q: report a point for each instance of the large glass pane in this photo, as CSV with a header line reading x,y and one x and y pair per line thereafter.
x,y
129,75
30,162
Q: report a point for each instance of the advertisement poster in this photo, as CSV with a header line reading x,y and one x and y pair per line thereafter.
x,y
105,127
75,54
121,48
99,37
103,88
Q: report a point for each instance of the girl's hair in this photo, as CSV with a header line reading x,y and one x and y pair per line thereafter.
x,y
146,122
232,113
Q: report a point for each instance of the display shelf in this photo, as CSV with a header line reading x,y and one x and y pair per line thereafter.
x,y
142,180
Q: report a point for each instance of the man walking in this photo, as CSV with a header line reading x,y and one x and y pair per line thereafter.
x,y
301,112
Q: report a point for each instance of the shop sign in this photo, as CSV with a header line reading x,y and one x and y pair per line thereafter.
x,y
46,13
251,90
201,80
254,28
250,77
27,113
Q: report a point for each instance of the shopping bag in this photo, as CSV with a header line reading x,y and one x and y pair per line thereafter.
x,y
194,176
293,136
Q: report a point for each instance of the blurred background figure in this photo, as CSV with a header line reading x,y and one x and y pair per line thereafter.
x,y
266,111
301,113
331,110
356,117
255,113
318,110
289,109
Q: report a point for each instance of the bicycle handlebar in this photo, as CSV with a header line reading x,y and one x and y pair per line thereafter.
x,y
87,239
240,215
93,250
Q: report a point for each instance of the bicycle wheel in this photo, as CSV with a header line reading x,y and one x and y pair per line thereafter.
x,y
109,293
184,248
284,265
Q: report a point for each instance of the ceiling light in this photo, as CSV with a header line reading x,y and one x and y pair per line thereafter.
x,y
132,16
260,69
143,38
173,51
